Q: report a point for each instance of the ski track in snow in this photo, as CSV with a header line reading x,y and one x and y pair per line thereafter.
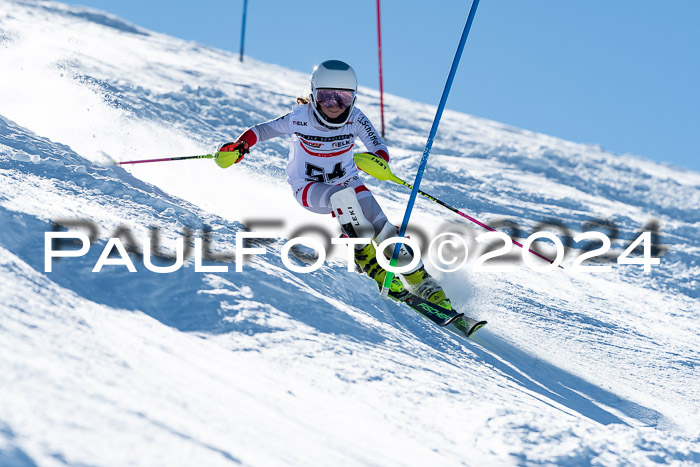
x,y
269,366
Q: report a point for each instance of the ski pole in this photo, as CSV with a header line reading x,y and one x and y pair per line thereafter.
x,y
380,170
182,158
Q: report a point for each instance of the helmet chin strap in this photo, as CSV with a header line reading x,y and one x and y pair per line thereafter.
x,y
340,119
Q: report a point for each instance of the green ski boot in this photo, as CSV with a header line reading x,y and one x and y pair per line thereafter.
x,y
425,286
366,261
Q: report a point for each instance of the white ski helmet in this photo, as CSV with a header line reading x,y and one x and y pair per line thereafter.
x,y
333,75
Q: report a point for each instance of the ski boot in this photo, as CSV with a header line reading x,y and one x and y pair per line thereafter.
x,y
366,261
425,286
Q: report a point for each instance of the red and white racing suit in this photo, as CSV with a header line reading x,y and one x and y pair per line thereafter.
x,y
321,158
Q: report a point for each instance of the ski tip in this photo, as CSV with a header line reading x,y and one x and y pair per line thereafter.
x,y
476,327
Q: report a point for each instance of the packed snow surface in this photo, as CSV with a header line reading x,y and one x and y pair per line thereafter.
x,y
267,366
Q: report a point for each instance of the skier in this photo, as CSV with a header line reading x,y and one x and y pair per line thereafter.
x,y
324,177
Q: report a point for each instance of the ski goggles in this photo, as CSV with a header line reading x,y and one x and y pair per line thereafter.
x,y
334,98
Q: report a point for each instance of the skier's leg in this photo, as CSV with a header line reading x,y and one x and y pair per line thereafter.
x,y
316,197
348,210
406,254
418,280
371,223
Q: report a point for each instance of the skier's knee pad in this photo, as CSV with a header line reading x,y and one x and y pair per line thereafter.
x,y
406,253
349,214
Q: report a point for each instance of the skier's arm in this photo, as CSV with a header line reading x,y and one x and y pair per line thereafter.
x,y
371,139
232,153
268,130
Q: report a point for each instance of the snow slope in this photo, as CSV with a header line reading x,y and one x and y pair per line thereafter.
x,y
267,366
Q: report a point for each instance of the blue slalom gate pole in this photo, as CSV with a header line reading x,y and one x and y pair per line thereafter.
x,y
245,10
426,152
